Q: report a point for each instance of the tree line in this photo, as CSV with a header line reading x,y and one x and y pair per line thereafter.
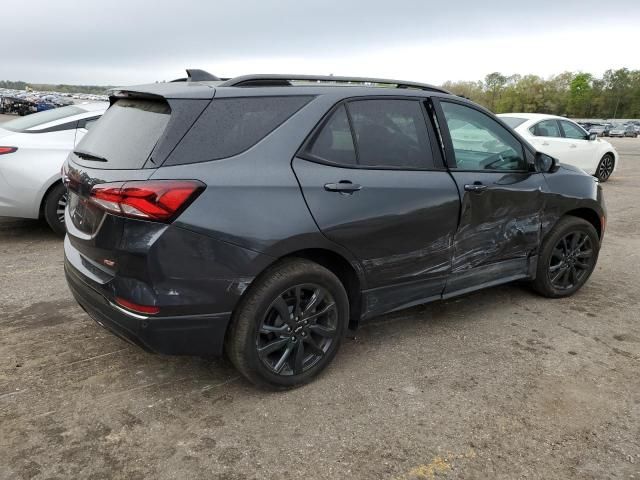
x,y
576,95
569,94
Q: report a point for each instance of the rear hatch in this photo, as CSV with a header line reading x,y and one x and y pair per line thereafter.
x,y
108,174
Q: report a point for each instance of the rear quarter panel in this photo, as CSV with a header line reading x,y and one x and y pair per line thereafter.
x,y
253,200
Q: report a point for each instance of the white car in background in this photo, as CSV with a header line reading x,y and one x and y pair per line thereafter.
x,y
32,151
566,141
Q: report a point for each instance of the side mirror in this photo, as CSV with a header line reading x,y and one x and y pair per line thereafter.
x,y
545,163
593,136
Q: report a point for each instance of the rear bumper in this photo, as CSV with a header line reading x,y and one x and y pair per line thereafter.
x,y
178,335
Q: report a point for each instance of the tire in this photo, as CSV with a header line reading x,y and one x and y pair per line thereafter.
x,y
53,209
554,260
605,167
311,343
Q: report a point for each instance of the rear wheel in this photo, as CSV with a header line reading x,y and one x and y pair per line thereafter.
x,y
54,206
289,326
605,167
567,258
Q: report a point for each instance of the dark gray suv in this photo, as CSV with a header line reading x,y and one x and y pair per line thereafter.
x,y
263,215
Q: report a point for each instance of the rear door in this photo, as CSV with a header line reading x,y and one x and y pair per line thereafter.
x,y
375,185
502,200
547,138
580,151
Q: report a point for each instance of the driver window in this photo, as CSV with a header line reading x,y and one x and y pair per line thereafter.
x,y
390,133
573,131
481,143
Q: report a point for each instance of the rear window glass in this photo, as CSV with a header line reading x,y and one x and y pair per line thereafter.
x,y
334,142
230,126
41,118
391,133
125,135
513,122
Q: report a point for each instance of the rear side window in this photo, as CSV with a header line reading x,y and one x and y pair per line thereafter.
x,y
546,128
334,142
230,126
391,133
125,135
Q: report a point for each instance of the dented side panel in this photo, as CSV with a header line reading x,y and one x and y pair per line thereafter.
x,y
497,225
400,225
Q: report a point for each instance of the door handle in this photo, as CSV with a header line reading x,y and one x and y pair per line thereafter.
x,y
343,186
546,144
573,145
476,187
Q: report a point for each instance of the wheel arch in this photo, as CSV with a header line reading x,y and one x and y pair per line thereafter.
x,y
46,191
341,268
590,216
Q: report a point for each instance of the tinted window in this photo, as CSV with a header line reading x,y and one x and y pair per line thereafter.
x,y
230,126
481,143
513,122
125,135
390,133
37,119
546,128
334,142
573,131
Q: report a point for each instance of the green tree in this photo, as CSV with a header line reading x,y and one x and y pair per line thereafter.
x,y
494,82
580,95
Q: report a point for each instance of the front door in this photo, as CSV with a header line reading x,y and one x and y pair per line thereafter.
x,y
372,185
502,201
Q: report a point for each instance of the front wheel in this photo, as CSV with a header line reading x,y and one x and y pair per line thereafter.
x,y
54,206
289,326
605,167
567,258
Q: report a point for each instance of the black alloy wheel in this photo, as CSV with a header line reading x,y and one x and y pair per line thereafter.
x,y
567,257
571,259
289,324
605,168
297,330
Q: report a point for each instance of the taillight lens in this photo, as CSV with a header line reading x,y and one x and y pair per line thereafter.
x,y
134,307
5,150
156,200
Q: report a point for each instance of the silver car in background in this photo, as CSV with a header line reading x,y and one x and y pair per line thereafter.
x,y
32,150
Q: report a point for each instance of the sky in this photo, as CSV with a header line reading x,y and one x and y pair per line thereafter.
x,y
123,42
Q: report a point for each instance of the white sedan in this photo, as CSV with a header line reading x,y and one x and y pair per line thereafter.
x,y
32,151
566,141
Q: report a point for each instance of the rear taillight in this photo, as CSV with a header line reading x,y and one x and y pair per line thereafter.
x,y
156,200
5,150
134,307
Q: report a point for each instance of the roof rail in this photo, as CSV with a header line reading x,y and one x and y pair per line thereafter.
x,y
267,80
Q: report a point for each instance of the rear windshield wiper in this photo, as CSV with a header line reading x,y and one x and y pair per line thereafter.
x,y
89,156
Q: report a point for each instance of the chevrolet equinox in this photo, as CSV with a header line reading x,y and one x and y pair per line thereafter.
x,y
262,215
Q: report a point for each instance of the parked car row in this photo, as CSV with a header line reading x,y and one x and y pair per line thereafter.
x,y
627,129
22,102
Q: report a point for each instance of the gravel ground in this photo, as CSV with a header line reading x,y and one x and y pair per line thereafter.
x,y
499,384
